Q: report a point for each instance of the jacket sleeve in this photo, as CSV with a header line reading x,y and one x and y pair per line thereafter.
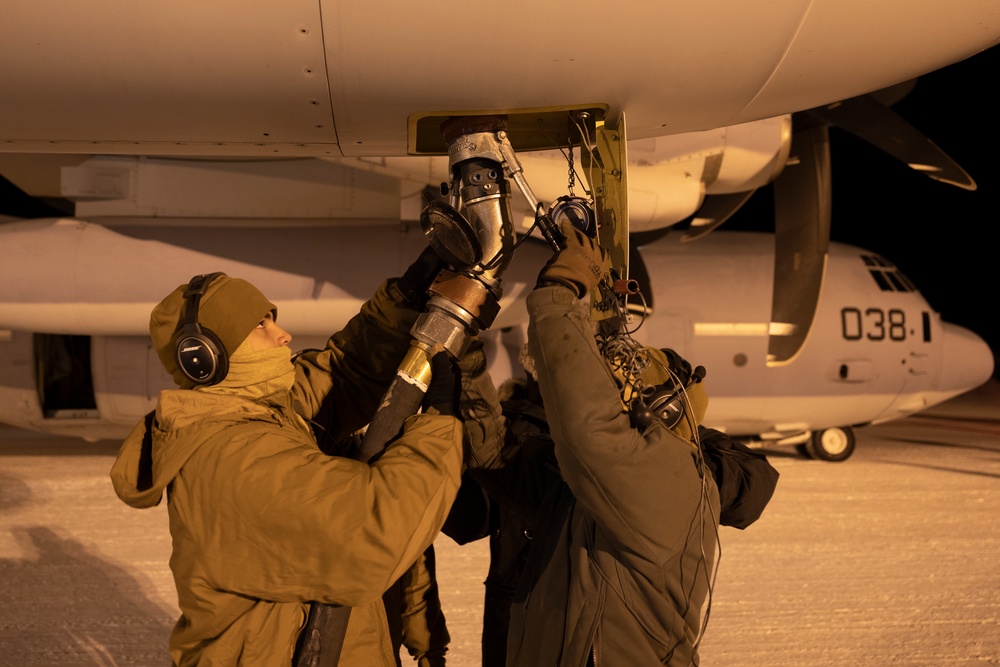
x,y
626,480
340,386
424,631
296,525
482,416
494,458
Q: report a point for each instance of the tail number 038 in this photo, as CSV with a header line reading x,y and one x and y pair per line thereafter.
x,y
873,324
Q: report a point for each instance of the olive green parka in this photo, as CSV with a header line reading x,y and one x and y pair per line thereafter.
x,y
263,522
624,530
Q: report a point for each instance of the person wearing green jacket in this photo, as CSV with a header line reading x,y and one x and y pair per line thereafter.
x,y
623,513
263,523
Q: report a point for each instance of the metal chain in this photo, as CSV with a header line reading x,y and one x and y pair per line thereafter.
x,y
572,171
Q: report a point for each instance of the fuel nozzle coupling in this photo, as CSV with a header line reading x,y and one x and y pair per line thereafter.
x,y
478,149
460,307
466,300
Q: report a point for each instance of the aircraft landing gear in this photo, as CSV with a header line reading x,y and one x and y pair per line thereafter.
x,y
832,444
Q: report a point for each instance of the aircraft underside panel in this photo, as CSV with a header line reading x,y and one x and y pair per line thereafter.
x,y
336,77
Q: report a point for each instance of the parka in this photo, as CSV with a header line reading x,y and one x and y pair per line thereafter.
x,y
625,535
263,522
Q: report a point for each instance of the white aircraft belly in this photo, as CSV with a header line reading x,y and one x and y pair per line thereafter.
x,y
339,78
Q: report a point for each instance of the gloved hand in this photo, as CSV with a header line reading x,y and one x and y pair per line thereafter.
x,y
413,284
473,362
579,266
445,387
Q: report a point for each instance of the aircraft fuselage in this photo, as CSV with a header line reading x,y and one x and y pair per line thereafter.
x,y
877,350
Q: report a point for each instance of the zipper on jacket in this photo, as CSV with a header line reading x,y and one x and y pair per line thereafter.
x,y
592,657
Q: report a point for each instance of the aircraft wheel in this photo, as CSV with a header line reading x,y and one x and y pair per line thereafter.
x,y
803,451
832,444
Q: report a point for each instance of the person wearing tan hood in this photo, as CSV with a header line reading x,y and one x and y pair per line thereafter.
x,y
263,523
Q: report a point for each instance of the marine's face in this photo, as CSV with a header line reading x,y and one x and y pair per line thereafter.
x,y
268,335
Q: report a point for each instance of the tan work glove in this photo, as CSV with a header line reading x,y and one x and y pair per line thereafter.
x,y
579,266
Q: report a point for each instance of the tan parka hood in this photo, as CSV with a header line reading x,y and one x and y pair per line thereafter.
x,y
182,422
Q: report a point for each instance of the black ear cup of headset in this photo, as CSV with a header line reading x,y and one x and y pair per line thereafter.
x,y
200,354
665,402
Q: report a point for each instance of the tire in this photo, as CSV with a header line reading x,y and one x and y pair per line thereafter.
x,y
832,444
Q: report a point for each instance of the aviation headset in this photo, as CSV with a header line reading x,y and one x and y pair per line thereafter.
x,y
200,354
668,401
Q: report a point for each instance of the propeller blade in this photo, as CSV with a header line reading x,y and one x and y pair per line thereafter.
x,y
714,211
802,211
869,119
